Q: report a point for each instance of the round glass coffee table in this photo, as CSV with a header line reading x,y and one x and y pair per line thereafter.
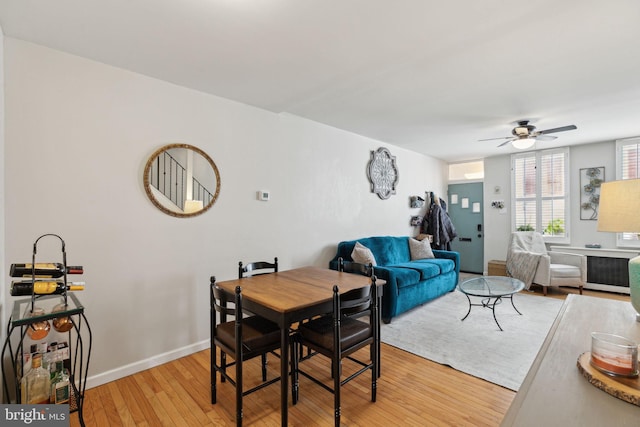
x,y
492,289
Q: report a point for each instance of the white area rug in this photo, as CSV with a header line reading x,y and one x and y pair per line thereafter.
x,y
476,346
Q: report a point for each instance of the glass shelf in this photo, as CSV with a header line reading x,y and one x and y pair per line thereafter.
x,y
22,308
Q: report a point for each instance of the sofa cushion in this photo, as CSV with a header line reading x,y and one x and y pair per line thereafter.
x,y
420,249
362,255
564,270
444,264
401,276
426,270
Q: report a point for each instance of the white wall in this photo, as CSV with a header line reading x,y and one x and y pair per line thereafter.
x,y
3,257
586,156
498,173
78,134
497,224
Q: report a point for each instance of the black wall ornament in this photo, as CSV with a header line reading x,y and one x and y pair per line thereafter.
x,y
382,172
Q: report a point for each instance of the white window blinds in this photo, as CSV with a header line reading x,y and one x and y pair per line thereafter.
x,y
540,193
629,160
628,163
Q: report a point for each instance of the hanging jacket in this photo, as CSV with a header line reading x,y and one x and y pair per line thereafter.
x,y
439,225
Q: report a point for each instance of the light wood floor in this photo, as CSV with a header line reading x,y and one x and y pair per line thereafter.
x,y
411,392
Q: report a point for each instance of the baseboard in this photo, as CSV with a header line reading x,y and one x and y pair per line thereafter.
x,y
608,288
124,371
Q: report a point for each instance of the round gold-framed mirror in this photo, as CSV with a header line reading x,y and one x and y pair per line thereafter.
x,y
181,180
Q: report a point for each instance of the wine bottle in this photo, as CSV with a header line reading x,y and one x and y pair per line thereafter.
x,y
28,287
44,270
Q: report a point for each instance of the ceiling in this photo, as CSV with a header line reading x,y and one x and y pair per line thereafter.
x,y
430,76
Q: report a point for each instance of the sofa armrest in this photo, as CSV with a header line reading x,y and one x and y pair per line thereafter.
x,y
390,292
453,255
567,258
543,272
577,260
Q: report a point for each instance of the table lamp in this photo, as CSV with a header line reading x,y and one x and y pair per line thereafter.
x,y
620,212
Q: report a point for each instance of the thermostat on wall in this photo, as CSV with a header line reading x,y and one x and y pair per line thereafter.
x,y
263,195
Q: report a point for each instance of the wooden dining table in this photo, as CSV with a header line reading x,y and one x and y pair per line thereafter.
x,y
289,296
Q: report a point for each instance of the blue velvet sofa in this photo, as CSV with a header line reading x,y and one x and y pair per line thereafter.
x,y
408,283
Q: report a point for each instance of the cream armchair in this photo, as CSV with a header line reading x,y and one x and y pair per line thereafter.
x,y
529,261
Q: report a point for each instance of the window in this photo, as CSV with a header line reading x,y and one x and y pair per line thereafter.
x,y
628,167
467,171
540,183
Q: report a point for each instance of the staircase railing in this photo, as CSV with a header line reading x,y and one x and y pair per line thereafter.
x,y
169,177
201,193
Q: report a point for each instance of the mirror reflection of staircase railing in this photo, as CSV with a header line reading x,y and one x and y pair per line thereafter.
x,y
170,178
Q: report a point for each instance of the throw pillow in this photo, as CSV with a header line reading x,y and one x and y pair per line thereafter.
x,y
420,249
362,254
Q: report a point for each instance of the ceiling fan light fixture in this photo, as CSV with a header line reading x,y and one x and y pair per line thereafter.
x,y
525,135
523,143
522,131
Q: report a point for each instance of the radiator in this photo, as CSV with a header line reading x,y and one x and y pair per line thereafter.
x,y
607,269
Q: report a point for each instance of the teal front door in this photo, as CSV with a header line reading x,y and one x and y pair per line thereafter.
x,y
465,207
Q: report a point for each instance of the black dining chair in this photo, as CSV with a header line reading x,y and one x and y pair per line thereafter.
x,y
258,267
254,269
364,270
338,336
242,338
347,267
354,267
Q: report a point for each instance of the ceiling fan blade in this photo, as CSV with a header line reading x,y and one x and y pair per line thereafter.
x,y
507,141
495,139
546,137
560,129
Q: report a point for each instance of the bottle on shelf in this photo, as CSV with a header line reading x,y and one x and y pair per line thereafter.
x,y
44,270
59,389
28,287
49,358
36,384
25,364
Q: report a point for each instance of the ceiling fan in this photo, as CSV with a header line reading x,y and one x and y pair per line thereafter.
x,y
524,135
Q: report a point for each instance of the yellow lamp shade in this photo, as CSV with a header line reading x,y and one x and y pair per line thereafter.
x,y
619,212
